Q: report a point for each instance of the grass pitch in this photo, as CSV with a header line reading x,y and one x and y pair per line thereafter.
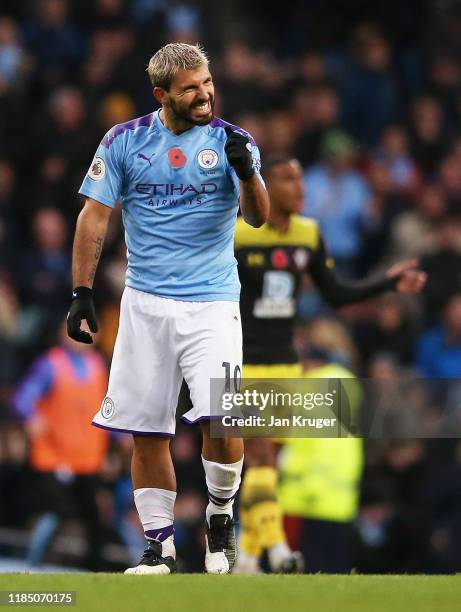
x,y
205,593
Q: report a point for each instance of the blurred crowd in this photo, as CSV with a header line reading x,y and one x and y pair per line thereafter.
x,y
367,97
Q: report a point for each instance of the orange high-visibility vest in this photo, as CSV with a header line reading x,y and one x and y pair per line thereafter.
x,y
69,440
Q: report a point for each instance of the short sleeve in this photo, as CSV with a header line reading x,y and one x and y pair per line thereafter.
x,y
320,257
104,179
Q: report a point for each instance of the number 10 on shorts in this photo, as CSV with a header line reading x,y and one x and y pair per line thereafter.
x,y
236,376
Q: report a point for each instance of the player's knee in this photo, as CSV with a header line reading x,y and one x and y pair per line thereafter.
x,y
145,447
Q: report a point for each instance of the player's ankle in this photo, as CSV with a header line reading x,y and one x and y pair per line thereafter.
x,y
223,480
215,509
168,548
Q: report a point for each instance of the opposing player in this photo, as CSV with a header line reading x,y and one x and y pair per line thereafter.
x,y
180,174
272,261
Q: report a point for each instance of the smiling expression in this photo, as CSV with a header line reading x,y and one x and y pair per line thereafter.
x,y
190,98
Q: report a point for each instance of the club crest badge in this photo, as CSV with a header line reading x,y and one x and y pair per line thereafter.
x,y
301,257
107,408
207,159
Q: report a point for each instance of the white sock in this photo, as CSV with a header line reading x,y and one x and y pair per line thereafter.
x,y
156,512
223,481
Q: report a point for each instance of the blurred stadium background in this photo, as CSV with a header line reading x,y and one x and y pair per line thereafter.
x,y
368,96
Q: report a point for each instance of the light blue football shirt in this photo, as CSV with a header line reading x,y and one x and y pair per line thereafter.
x,y
179,199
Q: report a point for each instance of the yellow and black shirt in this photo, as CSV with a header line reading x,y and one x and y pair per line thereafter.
x,y
271,265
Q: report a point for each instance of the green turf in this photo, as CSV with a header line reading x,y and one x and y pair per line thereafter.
x,y
190,593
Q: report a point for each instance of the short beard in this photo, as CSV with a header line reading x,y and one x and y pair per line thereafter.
x,y
184,115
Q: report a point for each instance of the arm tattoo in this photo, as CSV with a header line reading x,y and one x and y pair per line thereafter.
x,y
97,253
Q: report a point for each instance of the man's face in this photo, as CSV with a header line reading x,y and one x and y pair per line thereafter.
x,y
285,186
191,96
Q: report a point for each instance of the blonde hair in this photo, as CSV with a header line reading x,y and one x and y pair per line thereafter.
x,y
164,64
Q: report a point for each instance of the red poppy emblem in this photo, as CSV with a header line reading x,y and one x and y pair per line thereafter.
x,y
177,158
279,259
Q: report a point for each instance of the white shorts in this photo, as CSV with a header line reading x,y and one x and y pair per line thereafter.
x,y
159,343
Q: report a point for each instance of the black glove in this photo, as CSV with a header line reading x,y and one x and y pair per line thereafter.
x,y
238,151
82,307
